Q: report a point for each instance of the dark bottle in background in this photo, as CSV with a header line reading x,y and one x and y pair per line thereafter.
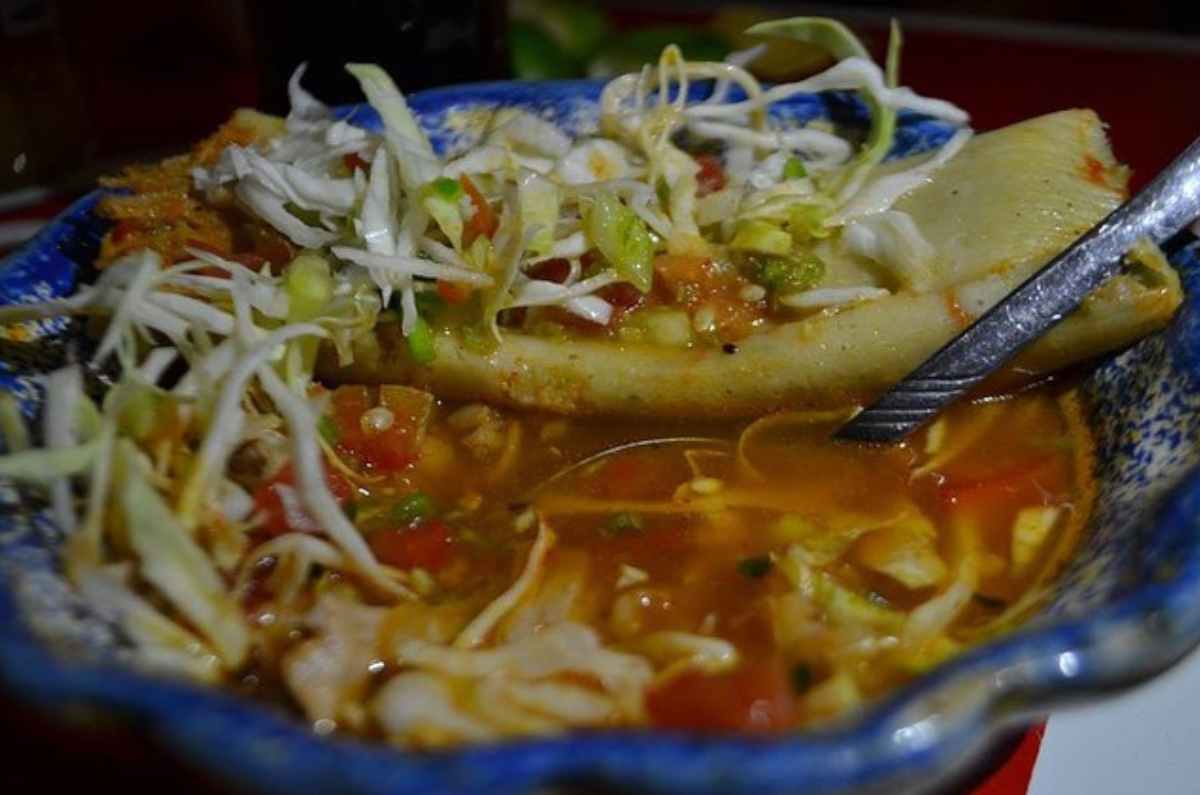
x,y
421,43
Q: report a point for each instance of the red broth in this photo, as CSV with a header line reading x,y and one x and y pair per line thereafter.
x,y
833,572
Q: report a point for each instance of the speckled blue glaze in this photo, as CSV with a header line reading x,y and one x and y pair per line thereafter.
x,y
1128,606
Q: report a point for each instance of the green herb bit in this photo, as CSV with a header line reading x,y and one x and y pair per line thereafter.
x,y
309,217
802,678
420,342
446,189
622,523
794,169
328,429
412,508
787,274
755,568
351,510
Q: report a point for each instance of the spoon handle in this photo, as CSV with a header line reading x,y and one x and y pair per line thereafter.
x,y
1160,210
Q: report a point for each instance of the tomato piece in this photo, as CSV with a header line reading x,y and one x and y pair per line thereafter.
x,y
692,282
484,222
622,295
278,501
756,698
552,270
388,450
454,292
676,270
121,231
269,244
353,161
254,262
426,545
711,177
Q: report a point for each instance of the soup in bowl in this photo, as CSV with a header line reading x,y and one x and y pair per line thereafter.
x,y
494,424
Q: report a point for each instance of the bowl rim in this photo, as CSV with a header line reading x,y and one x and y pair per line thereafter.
x,y
983,694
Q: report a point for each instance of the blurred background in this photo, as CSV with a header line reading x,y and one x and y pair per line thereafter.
x,y
85,86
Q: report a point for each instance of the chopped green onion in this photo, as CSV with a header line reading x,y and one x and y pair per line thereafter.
x,y
622,523
761,236
787,274
794,169
754,568
807,222
327,429
413,508
308,217
420,342
448,189
622,238
309,286
802,678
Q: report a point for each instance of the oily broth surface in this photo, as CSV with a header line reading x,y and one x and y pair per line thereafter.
x,y
687,535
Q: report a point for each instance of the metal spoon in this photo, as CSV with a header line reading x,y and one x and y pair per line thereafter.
x,y
1164,207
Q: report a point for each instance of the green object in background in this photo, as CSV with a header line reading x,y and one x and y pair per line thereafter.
x,y
632,49
578,28
551,39
535,56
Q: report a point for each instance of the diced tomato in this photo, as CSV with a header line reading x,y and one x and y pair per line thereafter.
x,y
678,269
254,262
621,295
551,270
624,298
695,281
121,231
269,244
388,450
269,500
711,177
484,221
454,292
425,545
353,161
756,698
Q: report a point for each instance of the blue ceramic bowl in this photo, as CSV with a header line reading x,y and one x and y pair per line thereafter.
x,y
1126,609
